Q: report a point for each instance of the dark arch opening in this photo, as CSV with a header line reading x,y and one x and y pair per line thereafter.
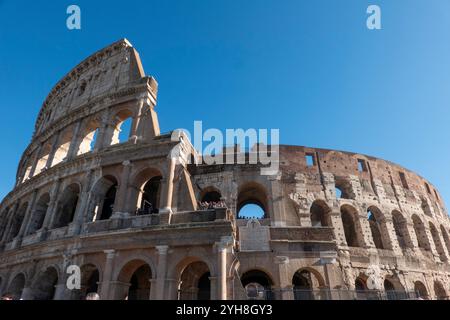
x,y
68,206
39,213
140,283
204,287
349,216
211,196
421,235
421,290
302,282
44,287
195,282
16,286
254,198
108,202
320,214
375,228
17,221
151,196
401,230
258,285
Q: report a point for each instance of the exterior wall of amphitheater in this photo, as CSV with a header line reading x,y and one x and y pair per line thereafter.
x,y
342,222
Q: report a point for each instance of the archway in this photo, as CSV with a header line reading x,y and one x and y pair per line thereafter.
x,y
151,195
194,282
421,290
17,221
437,242
439,291
90,278
44,286
255,195
421,235
320,214
39,213
304,283
67,206
137,274
401,230
374,219
349,217
446,238
258,285
16,286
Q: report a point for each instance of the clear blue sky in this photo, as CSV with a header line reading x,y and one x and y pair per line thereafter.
x,y
310,68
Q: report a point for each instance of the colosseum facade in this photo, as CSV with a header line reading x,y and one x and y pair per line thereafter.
x,y
143,221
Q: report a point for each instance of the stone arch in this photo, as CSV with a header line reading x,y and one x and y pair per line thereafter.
x,y
446,238
258,284
421,290
425,206
137,187
437,242
194,280
393,288
320,214
62,150
17,220
43,287
253,193
401,230
378,228
352,228
67,205
121,117
304,281
16,286
40,211
134,277
439,291
42,158
89,137
90,279
421,235
103,196
344,189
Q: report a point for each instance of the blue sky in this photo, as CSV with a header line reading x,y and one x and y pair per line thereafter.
x,y
310,68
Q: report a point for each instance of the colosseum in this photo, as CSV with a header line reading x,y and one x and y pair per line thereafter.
x,y
140,220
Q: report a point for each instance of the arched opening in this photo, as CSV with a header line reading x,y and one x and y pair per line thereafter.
x,y
421,235
43,158
304,282
123,127
195,282
17,221
62,150
349,217
446,238
39,213
362,291
401,230
320,214
150,196
67,206
375,227
252,202
90,278
140,284
16,286
211,196
103,197
439,291
89,140
421,290
108,203
44,286
437,242
258,285
425,207
3,221
137,274
394,290
343,189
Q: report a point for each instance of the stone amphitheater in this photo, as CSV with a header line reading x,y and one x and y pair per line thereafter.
x,y
131,214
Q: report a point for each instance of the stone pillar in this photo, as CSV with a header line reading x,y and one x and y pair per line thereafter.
x,y
7,230
73,148
27,294
35,161
82,204
52,207
122,192
161,271
147,126
106,292
28,215
278,209
167,192
172,289
223,248
285,288
51,155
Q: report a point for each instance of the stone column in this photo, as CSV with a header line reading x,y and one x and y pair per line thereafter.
x,y
7,230
161,271
35,161
51,155
82,204
277,209
28,215
122,192
27,294
106,293
285,289
61,291
73,148
167,192
222,250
